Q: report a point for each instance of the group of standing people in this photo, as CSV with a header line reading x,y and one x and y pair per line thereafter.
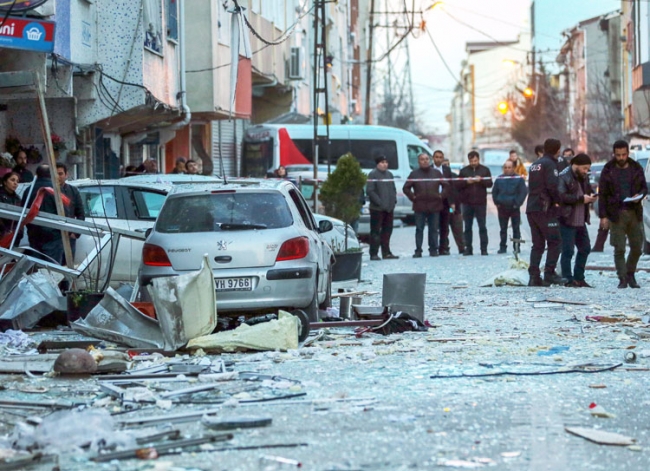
x,y
558,209
558,213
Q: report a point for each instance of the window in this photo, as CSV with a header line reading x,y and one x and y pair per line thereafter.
x,y
366,152
257,160
413,152
147,204
228,211
153,34
172,19
99,201
305,213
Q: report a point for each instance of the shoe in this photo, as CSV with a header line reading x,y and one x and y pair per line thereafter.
x,y
622,283
501,251
433,253
583,284
461,251
484,252
417,255
631,281
444,252
573,284
390,256
467,252
537,281
375,257
553,278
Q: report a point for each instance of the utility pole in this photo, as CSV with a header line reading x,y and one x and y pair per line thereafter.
x,y
369,61
388,89
320,68
409,79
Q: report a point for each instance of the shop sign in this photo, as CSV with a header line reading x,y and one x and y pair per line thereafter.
x,y
29,34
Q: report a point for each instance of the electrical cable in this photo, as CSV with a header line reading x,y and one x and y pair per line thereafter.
x,y
280,38
527,373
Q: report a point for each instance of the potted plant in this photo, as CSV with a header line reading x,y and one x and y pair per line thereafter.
x,y
75,156
341,195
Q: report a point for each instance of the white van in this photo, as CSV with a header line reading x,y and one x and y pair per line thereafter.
x,y
263,143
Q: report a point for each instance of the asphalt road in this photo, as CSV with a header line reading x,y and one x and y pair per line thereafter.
x,y
371,403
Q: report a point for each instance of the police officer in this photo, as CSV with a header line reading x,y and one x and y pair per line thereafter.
x,y
542,212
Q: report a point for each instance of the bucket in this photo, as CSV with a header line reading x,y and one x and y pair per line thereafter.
x,y
344,307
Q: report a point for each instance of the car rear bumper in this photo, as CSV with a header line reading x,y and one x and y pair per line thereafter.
x,y
273,287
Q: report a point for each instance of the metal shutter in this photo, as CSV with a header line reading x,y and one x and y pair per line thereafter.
x,y
223,144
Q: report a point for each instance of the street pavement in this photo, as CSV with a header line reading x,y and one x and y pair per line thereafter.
x,y
371,402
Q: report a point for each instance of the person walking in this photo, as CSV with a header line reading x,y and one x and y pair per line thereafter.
x,y
474,180
542,213
448,205
575,197
425,188
622,187
382,194
509,193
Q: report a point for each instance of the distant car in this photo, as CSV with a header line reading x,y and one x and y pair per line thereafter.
x,y
264,244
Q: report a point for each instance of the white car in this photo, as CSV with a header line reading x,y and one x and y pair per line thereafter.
x,y
133,203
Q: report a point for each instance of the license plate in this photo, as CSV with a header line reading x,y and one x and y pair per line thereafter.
x,y
234,284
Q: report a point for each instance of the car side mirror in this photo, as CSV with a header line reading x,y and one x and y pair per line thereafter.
x,y
325,226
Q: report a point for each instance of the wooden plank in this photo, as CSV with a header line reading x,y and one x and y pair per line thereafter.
x,y
601,437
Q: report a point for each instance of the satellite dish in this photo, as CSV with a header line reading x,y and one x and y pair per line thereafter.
x,y
20,5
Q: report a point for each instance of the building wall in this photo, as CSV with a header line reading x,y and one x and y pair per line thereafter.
x,y
201,85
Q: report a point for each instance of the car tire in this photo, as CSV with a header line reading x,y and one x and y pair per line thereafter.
x,y
312,308
303,324
327,302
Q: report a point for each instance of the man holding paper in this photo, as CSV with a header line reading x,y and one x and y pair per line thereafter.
x,y
622,187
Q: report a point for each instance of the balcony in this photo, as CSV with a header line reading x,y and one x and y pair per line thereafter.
x,y
641,77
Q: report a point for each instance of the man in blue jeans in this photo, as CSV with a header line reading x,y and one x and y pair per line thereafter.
x,y
474,180
575,198
425,188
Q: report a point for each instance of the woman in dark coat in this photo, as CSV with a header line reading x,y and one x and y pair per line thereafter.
x,y
8,195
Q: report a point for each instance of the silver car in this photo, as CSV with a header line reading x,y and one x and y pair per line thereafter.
x,y
264,244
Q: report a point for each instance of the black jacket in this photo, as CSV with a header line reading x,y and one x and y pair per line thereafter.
x,y
543,192
76,208
7,224
382,194
450,196
610,202
476,193
42,234
568,189
509,193
425,195
25,175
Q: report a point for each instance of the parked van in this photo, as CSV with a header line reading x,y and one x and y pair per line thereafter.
x,y
268,146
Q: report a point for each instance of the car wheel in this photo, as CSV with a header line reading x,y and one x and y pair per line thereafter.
x,y
327,302
312,309
303,324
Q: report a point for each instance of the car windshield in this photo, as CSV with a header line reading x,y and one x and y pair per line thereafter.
x,y
224,212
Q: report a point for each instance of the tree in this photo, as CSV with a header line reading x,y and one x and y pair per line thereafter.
x,y
341,192
544,116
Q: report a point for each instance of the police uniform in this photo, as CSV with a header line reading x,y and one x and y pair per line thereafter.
x,y
542,212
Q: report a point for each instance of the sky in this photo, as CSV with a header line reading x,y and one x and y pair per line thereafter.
x,y
502,20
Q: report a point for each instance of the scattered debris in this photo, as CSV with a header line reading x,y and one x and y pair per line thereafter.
x,y
34,297
599,411
75,361
232,423
601,437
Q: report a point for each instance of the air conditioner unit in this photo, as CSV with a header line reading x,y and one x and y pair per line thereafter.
x,y
296,69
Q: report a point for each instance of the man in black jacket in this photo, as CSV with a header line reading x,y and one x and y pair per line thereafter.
x,y
427,190
541,210
448,205
383,198
622,187
47,242
474,180
455,215
75,209
575,197
509,193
